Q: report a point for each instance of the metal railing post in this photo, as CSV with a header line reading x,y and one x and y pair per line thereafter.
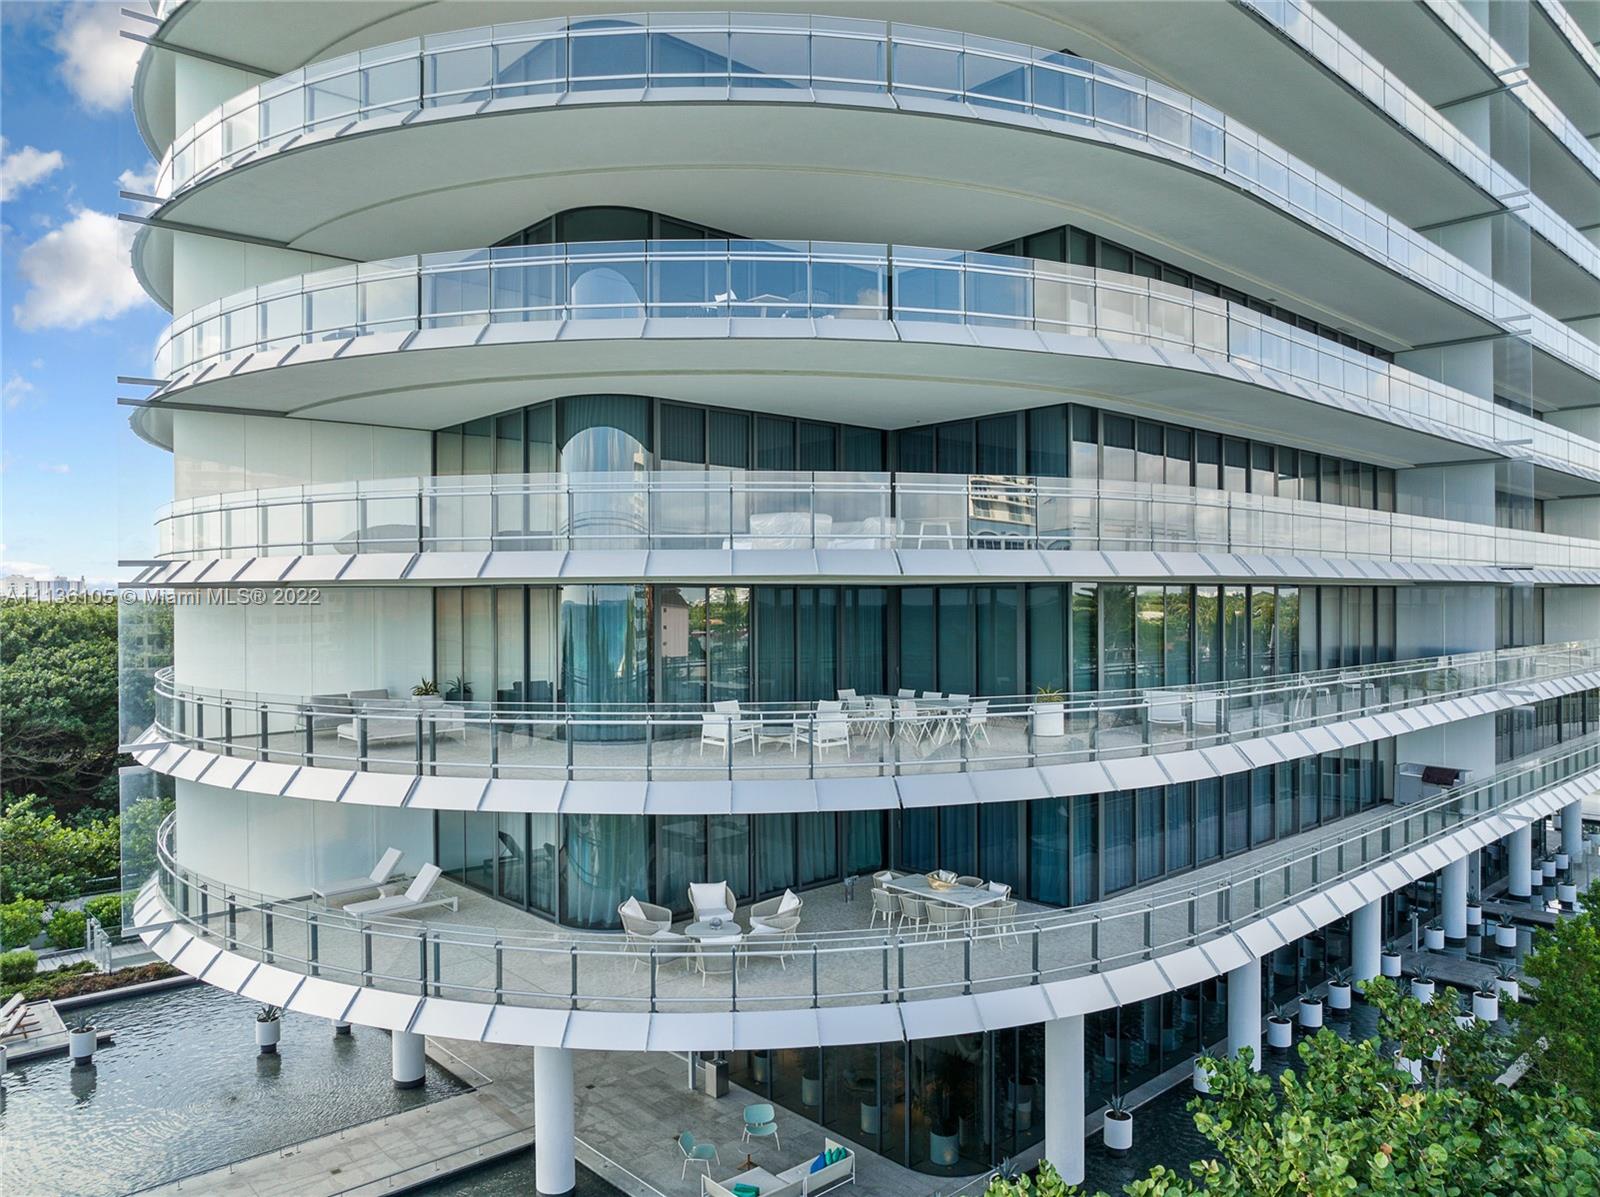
x,y
499,971
966,963
1034,948
816,984
366,953
313,930
652,980
572,983
233,923
422,962
266,933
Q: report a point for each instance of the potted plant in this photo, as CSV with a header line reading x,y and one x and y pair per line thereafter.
x,y
1202,1070
1389,964
269,1029
1433,936
1486,1001
1422,986
1474,909
1563,862
944,1128
1505,980
1567,894
1464,1015
81,1038
1406,1064
1117,1130
458,690
1022,1099
426,688
1280,1028
1505,932
1049,712
1310,1011
1547,867
1339,989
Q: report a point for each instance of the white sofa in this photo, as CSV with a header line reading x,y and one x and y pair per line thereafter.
x,y
798,1181
401,727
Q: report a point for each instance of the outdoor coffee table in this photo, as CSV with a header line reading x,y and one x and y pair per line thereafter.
x,y
706,933
776,731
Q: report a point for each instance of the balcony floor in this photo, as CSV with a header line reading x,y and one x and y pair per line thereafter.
x,y
853,965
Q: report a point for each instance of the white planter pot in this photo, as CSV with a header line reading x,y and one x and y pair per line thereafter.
x,y
943,1150
810,1091
1049,719
80,1045
1510,990
1563,862
1505,937
1118,1133
2,1059
1202,1082
1422,990
1548,868
871,1118
758,1067
1310,1015
1433,938
1414,1067
1338,996
1280,1032
1474,916
268,1034
1486,1006
1389,964
1568,894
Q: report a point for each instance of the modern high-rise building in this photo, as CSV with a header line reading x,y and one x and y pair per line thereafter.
x,y
1068,520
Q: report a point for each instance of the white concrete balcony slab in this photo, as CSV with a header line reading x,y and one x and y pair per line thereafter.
x,y
879,754
725,516
515,979
928,334
783,108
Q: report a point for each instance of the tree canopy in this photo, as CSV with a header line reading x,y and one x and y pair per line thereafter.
x,y
1561,1030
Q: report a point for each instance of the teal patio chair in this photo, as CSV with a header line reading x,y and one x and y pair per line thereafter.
x,y
696,1153
761,1122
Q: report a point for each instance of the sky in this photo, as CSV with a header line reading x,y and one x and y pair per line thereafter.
x,y
78,491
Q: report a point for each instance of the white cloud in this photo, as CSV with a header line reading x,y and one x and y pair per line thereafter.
x,y
97,62
31,569
55,467
78,274
16,391
21,169
142,181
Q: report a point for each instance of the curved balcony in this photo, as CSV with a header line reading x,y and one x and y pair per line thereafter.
x,y
723,511
561,302
1009,747
530,983
772,65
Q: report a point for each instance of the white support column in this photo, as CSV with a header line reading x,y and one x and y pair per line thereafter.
x,y
1453,896
1244,1011
1063,1105
554,1153
1520,858
409,1059
1572,832
1366,942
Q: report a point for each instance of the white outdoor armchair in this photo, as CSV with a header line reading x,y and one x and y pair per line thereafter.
x,y
712,900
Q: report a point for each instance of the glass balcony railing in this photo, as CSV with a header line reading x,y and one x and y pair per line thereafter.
x,y
540,966
1341,54
863,736
1458,18
840,60
828,281
735,509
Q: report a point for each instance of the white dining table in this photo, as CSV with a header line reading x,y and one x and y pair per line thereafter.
x,y
968,897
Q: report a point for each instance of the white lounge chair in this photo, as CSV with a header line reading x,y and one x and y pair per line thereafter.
x,y
414,899
828,730
723,729
381,872
712,900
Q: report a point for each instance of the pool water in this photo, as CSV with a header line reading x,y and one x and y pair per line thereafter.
x,y
182,1090
512,1177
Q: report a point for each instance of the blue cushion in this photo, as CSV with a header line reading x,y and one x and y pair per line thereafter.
x,y
821,1162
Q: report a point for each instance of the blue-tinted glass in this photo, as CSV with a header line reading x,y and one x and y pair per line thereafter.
x,y
928,72
919,835
956,674
958,848
680,852
608,60
1085,848
728,851
818,833
1119,840
530,68
1179,821
1000,841
1208,820
996,610
917,640
775,845
769,59
606,856
1048,839
995,82
685,59
1152,825
1047,636
848,62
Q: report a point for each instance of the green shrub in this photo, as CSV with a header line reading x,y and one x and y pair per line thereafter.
x,y
18,966
66,928
106,910
51,859
20,922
